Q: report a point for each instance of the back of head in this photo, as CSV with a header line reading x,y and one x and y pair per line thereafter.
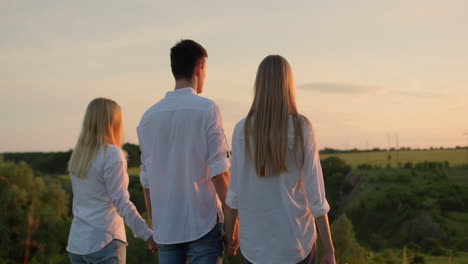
x,y
184,56
266,125
102,125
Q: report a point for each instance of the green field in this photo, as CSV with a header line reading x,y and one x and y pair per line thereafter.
x,y
135,171
381,158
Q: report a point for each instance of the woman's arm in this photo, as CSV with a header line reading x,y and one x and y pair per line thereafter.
x,y
116,182
325,235
315,191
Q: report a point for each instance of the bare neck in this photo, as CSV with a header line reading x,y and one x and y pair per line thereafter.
x,y
184,84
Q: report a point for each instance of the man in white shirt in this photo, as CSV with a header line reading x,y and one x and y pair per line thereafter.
x,y
185,164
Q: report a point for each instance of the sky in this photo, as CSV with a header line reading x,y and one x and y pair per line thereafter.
x,y
365,71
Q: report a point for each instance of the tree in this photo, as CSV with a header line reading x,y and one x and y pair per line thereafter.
x,y
45,162
347,249
33,222
332,165
336,184
133,154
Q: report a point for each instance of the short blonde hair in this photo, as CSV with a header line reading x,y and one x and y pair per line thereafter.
x,y
102,125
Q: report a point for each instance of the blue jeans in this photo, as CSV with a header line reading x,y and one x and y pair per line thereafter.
x,y
205,250
310,259
113,253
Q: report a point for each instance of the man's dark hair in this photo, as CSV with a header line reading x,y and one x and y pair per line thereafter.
x,y
184,56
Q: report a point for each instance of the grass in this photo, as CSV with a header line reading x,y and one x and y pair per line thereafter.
x,y
459,258
135,171
381,158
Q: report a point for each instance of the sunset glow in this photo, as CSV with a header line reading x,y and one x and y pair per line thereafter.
x,y
363,69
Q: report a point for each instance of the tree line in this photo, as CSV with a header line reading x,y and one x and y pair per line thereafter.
x,y
56,162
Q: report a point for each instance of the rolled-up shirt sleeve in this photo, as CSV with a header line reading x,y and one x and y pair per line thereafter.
x,y
116,182
218,160
313,175
231,196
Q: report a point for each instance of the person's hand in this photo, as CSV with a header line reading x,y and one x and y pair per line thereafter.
x,y
232,242
329,258
152,246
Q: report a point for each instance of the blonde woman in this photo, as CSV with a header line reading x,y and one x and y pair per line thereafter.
x,y
276,188
98,171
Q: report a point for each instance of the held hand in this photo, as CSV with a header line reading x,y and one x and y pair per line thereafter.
x,y
231,245
232,242
329,258
152,246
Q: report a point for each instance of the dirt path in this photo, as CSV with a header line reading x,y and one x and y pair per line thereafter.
x,y
356,181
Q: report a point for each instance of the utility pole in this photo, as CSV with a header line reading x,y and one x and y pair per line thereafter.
x,y
466,134
397,147
368,150
389,157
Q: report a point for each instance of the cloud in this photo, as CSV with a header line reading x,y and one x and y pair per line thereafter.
x,y
355,88
420,94
339,88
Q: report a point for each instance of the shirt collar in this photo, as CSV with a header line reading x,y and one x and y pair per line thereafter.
x,y
181,91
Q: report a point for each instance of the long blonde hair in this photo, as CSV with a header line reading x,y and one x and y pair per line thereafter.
x,y
102,125
266,125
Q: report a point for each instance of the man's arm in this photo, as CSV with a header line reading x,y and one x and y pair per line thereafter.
x,y
146,193
232,231
221,182
152,246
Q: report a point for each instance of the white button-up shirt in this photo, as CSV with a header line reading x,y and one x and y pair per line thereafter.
x,y
100,201
276,213
183,146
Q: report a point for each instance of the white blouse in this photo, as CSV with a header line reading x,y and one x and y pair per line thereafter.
x,y
276,213
100,201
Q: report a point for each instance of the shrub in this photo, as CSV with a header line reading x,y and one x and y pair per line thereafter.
x,y
364,166
446,164
402,178
332,165
408,165
418,259
451,203
390,257
347,248
461,244
429,165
